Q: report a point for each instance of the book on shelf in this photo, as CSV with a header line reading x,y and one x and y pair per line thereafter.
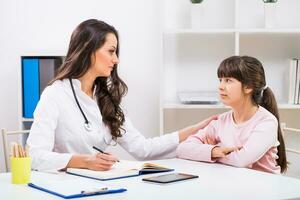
x,y
122,169
297,83
294,82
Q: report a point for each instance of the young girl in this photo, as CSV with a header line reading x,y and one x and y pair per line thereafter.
x,y
249,135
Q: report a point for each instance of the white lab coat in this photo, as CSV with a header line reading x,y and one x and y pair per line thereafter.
x,y
58,130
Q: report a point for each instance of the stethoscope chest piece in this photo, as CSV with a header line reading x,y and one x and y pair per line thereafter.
x,y
88,126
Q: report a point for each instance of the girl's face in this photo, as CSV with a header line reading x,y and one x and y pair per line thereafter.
x,y
231,91
104,59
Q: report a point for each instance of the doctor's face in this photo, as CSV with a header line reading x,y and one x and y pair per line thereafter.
x,y
104,59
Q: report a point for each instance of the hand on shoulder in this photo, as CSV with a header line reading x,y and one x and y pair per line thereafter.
x,y
190,130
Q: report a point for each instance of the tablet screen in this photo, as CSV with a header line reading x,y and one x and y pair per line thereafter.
x,y
168,178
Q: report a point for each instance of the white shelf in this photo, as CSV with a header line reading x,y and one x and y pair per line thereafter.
x,y
193,106
273,30
233,30
27,119
200,31
171,105
288,106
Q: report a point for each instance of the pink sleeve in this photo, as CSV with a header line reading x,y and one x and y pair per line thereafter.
x,y
263,137
196,147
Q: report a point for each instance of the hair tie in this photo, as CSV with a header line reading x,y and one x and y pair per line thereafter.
x,y
263,89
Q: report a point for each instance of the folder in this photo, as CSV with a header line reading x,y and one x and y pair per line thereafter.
x,y
30,77
122,169
69,188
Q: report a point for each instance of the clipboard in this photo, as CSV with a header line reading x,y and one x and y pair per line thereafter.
x,y
69,188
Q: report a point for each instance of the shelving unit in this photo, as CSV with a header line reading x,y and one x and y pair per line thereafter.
x,y
47,65
191,55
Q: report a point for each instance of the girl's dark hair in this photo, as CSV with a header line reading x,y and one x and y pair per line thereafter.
x,y
89,36
250,72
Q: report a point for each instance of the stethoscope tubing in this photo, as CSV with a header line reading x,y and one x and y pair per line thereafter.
x,y
87,124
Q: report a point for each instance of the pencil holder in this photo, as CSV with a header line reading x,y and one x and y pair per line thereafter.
x,y
20,170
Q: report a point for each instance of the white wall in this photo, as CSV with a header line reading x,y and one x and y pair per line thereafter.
x,y
35,27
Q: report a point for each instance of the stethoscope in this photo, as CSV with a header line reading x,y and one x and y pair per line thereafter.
x,y
87,124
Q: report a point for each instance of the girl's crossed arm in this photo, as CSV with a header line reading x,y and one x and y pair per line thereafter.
x,y
263,137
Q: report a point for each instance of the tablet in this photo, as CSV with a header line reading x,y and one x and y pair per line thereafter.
x,y
169,178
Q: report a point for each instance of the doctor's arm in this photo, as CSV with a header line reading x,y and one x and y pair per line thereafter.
x,y
157,147
198,147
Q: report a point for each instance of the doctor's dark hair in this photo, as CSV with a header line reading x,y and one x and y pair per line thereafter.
x,y
88,37
250,72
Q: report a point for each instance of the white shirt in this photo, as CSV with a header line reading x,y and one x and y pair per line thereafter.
x,y
58,130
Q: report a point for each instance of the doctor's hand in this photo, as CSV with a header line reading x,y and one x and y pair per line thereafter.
x,y
204,123
190,130
101,161
98,162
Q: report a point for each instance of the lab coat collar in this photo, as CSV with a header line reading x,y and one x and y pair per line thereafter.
x,y
76,83
77,87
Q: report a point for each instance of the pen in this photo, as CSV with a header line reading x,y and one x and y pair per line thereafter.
x,y
94,191
96,148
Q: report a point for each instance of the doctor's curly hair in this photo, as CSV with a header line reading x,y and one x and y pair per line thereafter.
x,y
89,36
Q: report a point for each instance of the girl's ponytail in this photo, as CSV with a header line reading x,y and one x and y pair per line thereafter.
x,y
268,101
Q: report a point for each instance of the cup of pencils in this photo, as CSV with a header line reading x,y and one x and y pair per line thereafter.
x,y
20,165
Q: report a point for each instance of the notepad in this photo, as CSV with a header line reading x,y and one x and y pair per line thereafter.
x,y
69,187
122,169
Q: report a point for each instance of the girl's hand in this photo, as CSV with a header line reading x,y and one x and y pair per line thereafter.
x,y
221,152
209,140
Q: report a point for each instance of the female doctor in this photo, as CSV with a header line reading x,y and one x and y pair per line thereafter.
x,y
81,109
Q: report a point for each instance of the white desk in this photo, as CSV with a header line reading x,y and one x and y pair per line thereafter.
x,y
215,181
